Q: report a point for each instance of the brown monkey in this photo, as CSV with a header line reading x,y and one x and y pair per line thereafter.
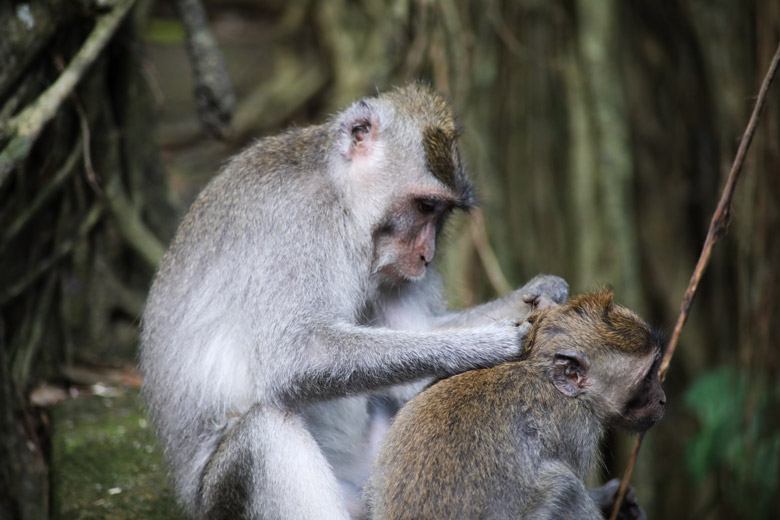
x,y
518,440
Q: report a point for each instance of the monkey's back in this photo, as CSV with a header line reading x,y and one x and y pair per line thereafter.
x,y
450,445
220,284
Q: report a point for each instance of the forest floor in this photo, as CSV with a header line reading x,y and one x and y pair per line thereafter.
x,y
105,460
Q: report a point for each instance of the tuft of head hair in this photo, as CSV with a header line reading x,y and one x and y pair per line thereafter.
x,y
419,101
594,322
440,131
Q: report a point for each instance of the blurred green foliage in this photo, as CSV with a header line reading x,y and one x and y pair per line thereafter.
x,y
737,444
159,31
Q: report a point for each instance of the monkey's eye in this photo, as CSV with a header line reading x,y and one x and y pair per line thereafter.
x,y
426,207
431,205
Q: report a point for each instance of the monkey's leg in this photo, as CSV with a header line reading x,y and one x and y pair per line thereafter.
x,y
269,467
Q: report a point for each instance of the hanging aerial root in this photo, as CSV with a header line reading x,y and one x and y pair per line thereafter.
x,y
25,127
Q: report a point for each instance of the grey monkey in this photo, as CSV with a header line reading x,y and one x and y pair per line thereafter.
x,y
518,439
298,307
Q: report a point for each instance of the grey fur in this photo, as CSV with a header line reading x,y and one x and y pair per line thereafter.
x,y
267,326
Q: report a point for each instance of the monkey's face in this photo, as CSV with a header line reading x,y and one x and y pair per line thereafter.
x,y
604,354
405,242
646,404
627,389
404,175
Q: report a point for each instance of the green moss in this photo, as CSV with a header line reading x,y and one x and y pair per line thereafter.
x,y
106,463
160,31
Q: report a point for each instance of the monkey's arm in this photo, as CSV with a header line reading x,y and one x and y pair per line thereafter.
x,y
540,292
604,497
561,494
344,359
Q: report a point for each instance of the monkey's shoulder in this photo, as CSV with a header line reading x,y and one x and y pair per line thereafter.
x,y
509,388
299,149
274,174
493,380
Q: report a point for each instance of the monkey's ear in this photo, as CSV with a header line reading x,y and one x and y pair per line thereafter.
x,y
358,130
570,372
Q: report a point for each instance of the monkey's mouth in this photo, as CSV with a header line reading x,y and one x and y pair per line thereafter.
x,y
399,274
411,270
639,424
645,424
416,271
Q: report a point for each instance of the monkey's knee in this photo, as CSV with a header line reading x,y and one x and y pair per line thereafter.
x,y
227,484
268,466
226,495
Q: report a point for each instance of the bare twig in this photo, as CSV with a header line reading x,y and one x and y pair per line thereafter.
x,y
486,254
63,249
43,195
28,124
291,86
132,228
89,168
213,90
718,227
505,34
86,139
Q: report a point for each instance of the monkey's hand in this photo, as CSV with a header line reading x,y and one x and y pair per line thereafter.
x,y
523,328
604,497
543,291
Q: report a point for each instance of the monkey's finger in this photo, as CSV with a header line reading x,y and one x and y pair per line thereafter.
x,y
611,488
529,298
636,512
553,287
538,302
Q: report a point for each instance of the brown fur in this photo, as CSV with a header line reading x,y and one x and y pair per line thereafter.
x,y
438,152
593,321
507,442
440,130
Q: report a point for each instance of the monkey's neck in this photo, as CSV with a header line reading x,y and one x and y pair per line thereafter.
x,y
569,422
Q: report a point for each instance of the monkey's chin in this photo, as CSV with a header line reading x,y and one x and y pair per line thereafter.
x,y
414,276
639,425
396,275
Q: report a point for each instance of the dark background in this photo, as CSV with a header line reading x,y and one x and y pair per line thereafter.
x,y
599,133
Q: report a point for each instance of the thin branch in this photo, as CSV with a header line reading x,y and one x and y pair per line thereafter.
x,y
63,249
86,139
718,227
28,124
137,235
213,90
486,254
44,194
505,34
626,476
291,86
